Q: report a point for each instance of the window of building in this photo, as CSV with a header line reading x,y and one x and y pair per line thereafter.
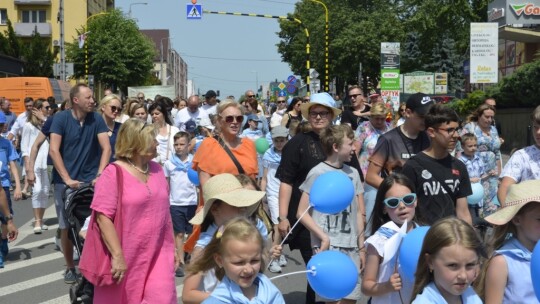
x,y
3,16
37,16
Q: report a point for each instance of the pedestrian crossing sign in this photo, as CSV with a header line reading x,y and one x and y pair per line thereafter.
x,y
194,11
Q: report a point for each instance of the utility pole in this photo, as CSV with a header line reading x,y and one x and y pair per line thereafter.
x,y
62,46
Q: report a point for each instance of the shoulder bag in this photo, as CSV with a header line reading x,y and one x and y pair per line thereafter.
x,y
95,264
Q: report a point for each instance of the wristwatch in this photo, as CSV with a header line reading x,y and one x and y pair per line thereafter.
x,y
281,219
9,217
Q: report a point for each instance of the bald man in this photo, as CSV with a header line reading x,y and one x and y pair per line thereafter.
x,y
191,112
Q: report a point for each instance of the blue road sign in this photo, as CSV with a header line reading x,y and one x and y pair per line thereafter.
x,y
282,93
291,79
194,11
291,89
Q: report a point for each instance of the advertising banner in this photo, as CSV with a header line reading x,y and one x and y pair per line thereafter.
x,y
390,79
441,83
484,48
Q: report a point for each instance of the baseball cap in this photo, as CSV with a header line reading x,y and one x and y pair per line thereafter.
x,y
280,131
190,126
253,117
210,94
419,103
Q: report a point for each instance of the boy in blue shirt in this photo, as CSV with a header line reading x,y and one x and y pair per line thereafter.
x,y
8,155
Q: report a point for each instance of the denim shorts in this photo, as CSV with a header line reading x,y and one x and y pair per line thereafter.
x,y
180,218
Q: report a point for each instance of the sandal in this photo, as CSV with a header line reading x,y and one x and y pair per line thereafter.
x,y
37,230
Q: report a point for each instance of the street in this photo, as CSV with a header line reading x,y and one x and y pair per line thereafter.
x,y
34,268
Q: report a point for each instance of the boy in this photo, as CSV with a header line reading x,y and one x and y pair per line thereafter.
x,y
252,132
441,180
183,194
270,184
342,231
8,156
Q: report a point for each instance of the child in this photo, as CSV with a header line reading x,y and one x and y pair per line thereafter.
x,y
235,253
507,278
395,203
224,198
8,155
475,168
270,184
183,194
342,231
448,264
252,132
442,180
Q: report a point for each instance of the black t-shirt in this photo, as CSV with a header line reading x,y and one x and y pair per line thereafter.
x,y
435,201
349,117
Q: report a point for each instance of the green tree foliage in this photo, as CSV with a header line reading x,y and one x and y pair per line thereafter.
x,y
521,88
467,105
10,44
38,57
444,59
118,54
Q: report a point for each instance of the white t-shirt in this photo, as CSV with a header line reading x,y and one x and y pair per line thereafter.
x,y
185,115
211,110
182,191
523,165
165,147
19,124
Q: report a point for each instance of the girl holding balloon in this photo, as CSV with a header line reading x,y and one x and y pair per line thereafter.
x,y
395,205
448,263
235,253
507,278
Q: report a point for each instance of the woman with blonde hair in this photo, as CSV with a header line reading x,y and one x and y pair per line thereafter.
x,y
399,118
40,192
110,108
143,261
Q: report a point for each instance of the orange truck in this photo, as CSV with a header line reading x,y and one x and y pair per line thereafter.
x,y
16,89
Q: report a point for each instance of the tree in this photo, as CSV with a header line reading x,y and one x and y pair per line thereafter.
x,y
521,88
10,44
38,57
445,59
118,54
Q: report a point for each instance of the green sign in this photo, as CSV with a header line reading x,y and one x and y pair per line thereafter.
x,y
390,79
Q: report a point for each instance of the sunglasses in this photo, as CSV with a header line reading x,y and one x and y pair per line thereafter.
x,y
116,109
251,96
306,100
281,101
231,118
322,114
354,95
393,202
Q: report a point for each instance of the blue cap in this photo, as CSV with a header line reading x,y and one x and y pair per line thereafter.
x,y
253,117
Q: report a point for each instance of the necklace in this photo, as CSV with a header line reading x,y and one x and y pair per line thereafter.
x,y
137,168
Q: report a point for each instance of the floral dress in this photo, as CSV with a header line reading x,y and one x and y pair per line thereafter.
x,y
490,154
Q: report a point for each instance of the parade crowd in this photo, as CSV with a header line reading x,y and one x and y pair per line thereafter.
x,y
210,190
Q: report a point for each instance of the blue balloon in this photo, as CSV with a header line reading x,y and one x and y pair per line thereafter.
x,y
331,192
334,274
535,270
409,251
193,176
477,194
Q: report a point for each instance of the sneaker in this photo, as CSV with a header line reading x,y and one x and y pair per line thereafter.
x,y
282,260
274,267
4,250
70,276
179,272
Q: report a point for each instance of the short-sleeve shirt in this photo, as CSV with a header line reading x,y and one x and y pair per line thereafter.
x,y
523,165
7,154
183,192
393,149
475,165
427,173
341,228
271,160
80,149
185,115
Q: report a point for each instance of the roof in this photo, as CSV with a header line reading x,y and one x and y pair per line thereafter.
x,y
158,36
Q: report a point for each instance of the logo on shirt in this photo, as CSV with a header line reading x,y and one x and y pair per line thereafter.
x,y
455,172
426,174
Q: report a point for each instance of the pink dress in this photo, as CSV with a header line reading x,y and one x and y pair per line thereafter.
x,y
147,240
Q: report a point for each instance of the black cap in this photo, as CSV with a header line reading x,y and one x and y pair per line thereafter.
x,y
210,94
419,103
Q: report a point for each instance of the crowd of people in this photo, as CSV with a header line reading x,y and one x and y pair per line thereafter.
x,y
216,209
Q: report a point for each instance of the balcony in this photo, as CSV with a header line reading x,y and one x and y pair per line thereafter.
x,y
32,2
27,29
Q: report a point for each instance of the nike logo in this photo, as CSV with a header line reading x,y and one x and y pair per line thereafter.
x,y
425,100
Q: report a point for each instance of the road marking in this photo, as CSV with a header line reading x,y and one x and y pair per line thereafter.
x,y
56,276
35,244
31,262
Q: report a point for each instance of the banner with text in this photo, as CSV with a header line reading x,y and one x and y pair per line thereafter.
x,y
484,52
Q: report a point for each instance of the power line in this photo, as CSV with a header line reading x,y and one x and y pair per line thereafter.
x,y
229,80
227,59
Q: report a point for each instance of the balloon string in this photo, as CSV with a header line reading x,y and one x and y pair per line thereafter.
x,y
291,273
288,233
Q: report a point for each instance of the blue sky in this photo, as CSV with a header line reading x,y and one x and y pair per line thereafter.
x,y
252,40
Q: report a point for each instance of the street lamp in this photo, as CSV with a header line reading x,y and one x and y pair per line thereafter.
x,y
161,74
136,3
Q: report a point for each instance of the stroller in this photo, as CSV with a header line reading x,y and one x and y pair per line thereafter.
x,y
77,209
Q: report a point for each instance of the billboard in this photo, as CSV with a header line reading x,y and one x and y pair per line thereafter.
x,y
484,50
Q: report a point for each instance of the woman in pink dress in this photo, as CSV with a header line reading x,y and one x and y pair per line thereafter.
x,y
143,261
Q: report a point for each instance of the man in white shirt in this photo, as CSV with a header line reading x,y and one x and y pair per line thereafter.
x,y
191,112
210,103
16,130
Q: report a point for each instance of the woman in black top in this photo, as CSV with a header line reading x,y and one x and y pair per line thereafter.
x,y
292,113
302,153
359,111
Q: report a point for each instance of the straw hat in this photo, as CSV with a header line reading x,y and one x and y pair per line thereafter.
x,y
518,196
323,99
225,187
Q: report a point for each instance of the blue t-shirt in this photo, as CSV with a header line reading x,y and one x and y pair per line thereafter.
x,y
80,147
7,154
